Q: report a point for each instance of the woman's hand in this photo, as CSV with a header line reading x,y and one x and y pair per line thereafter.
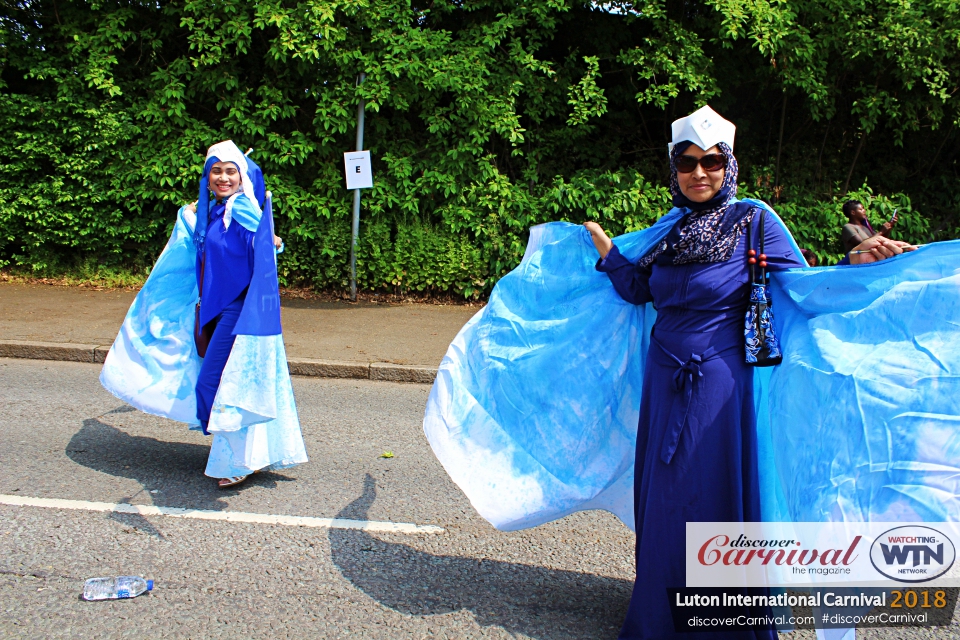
x,y
192,207
600,239
878,248
277,242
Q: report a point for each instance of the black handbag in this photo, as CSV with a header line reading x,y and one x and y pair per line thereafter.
x,y
762,345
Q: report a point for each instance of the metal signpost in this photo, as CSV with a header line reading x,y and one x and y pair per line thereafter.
x,y
359,176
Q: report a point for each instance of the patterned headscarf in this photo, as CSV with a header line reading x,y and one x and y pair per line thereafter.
x,y
712,229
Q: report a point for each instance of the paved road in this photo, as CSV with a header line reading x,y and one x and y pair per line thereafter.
x,y
62,436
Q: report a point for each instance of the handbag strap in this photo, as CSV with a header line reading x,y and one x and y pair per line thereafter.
x,y
763,270
203,263
753,269
762,263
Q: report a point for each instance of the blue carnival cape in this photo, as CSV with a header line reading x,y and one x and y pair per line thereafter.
x,y
153,363
535,407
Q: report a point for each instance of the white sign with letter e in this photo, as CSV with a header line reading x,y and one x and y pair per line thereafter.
x,y
359,173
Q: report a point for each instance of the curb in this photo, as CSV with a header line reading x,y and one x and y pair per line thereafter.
x,y
92,353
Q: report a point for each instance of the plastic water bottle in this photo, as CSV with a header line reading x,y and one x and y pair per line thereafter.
x,y
113,588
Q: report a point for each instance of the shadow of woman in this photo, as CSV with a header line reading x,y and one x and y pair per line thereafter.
x,y
173,469
535,601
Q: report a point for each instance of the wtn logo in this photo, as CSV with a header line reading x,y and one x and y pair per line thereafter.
x,y
896,554
912,554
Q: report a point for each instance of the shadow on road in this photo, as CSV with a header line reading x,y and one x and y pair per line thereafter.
x,y
173,469
535,601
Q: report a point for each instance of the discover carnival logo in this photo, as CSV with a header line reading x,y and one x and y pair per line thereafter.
x,y
912,554
743,551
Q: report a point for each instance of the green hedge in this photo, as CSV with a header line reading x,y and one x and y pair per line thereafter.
x,y
484,118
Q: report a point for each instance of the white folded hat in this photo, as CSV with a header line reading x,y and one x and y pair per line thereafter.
x,y
704,128
228,151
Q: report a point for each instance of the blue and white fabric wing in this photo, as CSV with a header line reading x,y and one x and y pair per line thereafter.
x,y
153,363
865,409
534,410
255,426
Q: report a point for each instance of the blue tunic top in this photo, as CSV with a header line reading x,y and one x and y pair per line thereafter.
x,y
696,443
229,263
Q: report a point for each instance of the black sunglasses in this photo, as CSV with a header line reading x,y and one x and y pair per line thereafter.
x,y
709,162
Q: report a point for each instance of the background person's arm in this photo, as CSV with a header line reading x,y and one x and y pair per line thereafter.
x,y
887,227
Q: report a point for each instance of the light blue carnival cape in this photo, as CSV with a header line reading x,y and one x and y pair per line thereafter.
x,y
535,407
153,363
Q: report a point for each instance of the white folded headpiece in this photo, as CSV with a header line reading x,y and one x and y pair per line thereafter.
x,y
704,128
227,151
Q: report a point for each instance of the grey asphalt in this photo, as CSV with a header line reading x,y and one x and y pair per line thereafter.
x,y
63,436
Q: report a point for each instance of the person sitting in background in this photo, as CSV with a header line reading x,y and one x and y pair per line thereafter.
x,y
858,228
809,256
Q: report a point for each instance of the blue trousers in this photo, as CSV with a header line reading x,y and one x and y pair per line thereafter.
x,y
216,359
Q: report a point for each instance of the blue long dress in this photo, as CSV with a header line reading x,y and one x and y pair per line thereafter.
x,y
153,364
697,452
225,262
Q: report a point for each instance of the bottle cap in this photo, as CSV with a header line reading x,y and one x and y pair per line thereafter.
x,y
149,585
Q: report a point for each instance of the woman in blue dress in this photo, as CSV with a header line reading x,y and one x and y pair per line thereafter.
x,y
534,412
221,259
697,450
225,263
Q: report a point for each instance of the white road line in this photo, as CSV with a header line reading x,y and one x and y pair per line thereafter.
x,y
226,516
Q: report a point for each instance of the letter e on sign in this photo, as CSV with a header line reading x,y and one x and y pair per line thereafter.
x,y
357,166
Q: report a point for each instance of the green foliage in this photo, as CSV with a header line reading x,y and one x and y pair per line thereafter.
x,y
896,61
483,118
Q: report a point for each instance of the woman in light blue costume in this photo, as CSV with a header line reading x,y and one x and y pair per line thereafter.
x,y
240,392
535,409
